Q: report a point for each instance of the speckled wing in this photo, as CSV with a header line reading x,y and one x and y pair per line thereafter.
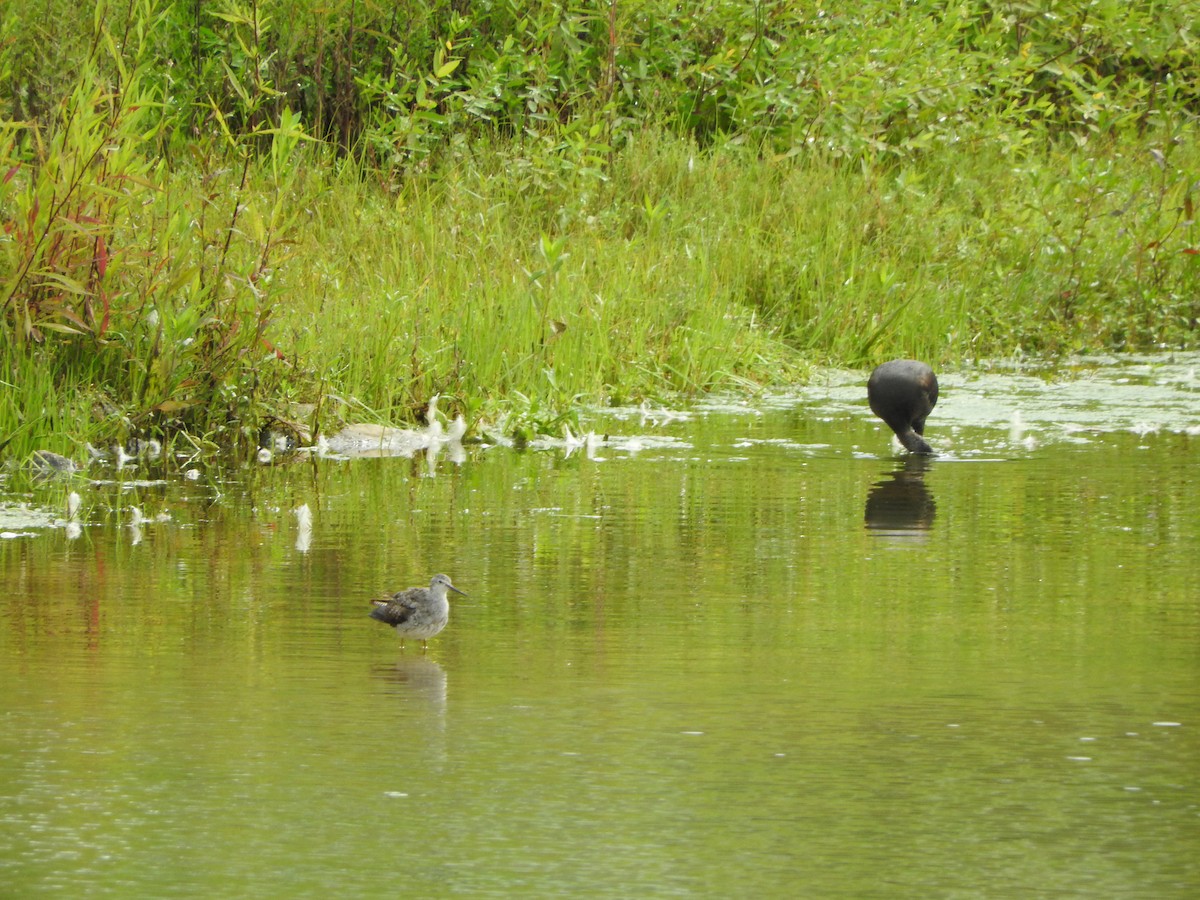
x,y
396,610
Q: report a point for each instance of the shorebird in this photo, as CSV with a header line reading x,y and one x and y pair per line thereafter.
x,y
902,393
417,612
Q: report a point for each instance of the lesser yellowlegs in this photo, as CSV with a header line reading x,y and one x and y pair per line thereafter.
x,y
417,612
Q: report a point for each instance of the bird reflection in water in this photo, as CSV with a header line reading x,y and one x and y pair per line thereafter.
x,y
419,680
900,506
418,685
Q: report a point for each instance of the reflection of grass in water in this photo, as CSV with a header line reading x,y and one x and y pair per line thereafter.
x,y
714,613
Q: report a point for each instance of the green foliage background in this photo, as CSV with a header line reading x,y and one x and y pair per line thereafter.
x,y
218,214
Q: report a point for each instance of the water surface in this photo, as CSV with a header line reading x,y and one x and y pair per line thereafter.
x,y
743,648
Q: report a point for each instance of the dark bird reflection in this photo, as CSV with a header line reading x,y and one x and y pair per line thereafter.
x,y
900,505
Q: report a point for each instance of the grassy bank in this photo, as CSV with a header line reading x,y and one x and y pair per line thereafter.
x,y
205,266
692,270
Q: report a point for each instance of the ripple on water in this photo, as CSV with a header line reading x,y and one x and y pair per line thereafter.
x,y
761,634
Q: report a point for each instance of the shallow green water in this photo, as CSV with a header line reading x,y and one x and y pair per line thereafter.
x,y
745,651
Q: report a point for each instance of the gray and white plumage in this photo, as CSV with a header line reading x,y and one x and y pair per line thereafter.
x,y
417,612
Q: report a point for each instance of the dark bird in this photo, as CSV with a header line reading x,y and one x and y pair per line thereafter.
x,y
902,393
417,612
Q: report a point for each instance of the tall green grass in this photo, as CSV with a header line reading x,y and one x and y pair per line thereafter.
x,y
476,289
691,270
529,207
688,270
